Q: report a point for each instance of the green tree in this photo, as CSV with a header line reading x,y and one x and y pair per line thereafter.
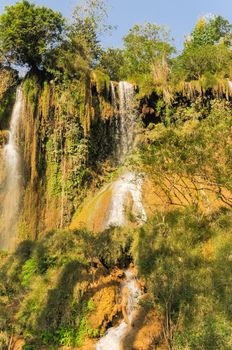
x,y
71,60
187,267
207,50
210,32
89,24
143,46
28,32
196,61
111,62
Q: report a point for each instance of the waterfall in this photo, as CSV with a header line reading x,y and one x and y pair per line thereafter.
x,y
128,116
124,134
127,187
113,96
113,337
10,205
128,184
230,85
125,118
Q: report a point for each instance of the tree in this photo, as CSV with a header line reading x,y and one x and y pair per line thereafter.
x,y
196,61
206,51
90,23
111,62
28,32
186,265
143,46
210,31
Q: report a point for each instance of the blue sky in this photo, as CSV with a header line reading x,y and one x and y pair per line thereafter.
x,y
179,15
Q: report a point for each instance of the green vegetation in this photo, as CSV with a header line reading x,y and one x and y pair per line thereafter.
x,y
210,31
49,283
181,255
187,265
145,46
202,153
28,32
7,94
207,51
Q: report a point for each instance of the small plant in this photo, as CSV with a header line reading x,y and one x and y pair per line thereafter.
x,y
29,269
29,347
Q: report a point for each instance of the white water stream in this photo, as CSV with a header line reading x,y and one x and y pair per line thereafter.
x,y
129,184
10,205
230,85
126,116
114,336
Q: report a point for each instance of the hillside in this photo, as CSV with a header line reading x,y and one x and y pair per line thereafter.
x,y
115,185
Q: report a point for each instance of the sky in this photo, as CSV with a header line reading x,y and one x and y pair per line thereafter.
x,y
178,15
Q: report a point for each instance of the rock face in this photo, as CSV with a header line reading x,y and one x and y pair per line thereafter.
x,y
65,137
68,137
106,299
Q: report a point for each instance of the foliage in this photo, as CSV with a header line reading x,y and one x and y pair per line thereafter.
x,y
196,61
72,59
111,62
52,280
178,254
210,31
89,24
206,52
144,45
28,271
202,152
28,32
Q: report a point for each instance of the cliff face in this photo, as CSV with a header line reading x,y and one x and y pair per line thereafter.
x,y
65,141
69,142
69,139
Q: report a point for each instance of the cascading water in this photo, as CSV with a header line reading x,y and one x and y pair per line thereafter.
x,y
10,205
127,184
128,115
230,85
113,337
125,121
113,96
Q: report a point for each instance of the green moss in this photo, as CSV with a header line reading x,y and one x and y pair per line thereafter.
x,y
29,269
6,106
45,100
31,89
54,179
53,171
102,82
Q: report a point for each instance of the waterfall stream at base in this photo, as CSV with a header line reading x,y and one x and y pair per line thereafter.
x,y
10,205
114,336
